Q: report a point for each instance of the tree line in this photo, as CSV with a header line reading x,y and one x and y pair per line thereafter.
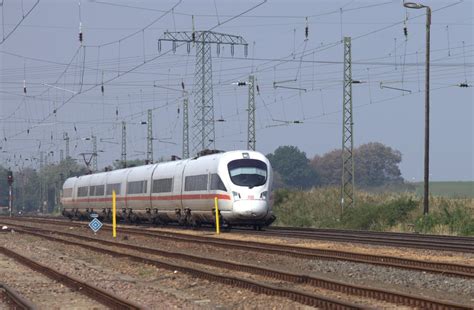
x,y
375,165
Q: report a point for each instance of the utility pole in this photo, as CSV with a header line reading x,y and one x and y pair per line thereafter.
x,y
426,190
251,135
66,138
124,144
149,145
347,184
94,153
203,125
185,126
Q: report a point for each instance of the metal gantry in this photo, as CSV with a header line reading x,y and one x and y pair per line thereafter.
x,y
203,124
149,145
185,127
347,184
124,145
251,134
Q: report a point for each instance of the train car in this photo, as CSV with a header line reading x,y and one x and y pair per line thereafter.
x,y
179,191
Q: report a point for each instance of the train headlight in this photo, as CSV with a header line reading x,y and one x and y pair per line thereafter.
x,y
236,196
264,195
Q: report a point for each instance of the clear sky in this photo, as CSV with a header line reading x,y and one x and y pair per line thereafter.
x,y
63,79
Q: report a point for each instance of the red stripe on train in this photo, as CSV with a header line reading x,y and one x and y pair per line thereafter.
x,y
175,197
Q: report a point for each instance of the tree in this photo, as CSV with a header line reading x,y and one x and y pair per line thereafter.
x,y
3,187
52,178
375,165
130,163
26,190
293,167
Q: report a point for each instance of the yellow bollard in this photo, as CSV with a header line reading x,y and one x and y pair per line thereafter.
x,y
216,206
114,215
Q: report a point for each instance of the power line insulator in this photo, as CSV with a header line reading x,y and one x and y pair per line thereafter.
x,y
258,89
405,31
463,85
80,37
306,29
241,83
102,88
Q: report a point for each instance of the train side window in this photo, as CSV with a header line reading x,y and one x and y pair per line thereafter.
x,y
196,182
112,187
91,190
216,183
83,191
99,190
163,185
137,187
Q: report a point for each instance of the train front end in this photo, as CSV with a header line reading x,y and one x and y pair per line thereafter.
x,y
248,177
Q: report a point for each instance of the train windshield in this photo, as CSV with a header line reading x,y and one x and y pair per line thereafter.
x,y
247,172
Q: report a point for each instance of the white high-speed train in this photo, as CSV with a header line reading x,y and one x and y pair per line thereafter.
x,y
179,191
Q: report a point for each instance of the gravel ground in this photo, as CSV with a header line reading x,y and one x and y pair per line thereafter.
x,y
41,290
409,253
412,282
426,284
153,287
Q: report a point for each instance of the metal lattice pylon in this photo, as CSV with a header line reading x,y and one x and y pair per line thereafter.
x,y
66,138
203,125
185,126
124,145
251,135
149,145
347,185
94,153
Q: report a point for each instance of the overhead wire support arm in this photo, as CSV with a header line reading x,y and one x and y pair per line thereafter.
x,y
204,122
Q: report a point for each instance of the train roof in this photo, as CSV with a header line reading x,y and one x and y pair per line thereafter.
x,y
205,157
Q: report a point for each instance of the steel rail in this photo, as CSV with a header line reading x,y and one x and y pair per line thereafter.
x,y
459,270
430,243
18,301
370,232
75,284
411,240
351,289
261,288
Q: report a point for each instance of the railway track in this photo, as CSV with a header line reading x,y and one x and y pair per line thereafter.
x,y
429,242
259,287
409,240
459,270
14,299
75,284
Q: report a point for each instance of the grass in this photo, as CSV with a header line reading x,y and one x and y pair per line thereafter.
x,y
382,211
457,189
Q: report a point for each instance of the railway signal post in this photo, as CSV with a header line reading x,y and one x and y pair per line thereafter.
x,y
216,208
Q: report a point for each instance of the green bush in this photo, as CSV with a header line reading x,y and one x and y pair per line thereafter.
x,y
458,220
320,208
378,216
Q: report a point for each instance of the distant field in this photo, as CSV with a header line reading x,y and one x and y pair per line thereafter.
x,y
448,189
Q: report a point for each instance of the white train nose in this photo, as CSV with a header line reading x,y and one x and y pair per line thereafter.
x,y
251,209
